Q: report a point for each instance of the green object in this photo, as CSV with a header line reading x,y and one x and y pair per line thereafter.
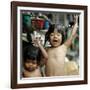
x,y
27,20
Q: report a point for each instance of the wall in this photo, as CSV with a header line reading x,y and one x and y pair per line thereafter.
x,y
5,44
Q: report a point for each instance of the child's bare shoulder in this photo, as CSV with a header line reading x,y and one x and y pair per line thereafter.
x,y
64,46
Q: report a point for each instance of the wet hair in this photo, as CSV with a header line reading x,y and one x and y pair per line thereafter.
x,y
51,30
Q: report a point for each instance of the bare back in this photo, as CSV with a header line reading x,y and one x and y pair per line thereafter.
x,y
55,62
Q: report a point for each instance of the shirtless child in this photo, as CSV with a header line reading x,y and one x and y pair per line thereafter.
x,y
57,52
55,55
30,63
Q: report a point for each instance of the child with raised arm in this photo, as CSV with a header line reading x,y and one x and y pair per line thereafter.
x,y
55,55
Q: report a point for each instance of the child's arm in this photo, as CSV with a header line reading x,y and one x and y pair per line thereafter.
x,y
74,30
43,51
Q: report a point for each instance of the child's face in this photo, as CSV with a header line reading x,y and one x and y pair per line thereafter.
x,y
55,39
30,65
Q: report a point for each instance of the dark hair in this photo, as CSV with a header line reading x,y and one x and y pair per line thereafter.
x,y
31,52
51,30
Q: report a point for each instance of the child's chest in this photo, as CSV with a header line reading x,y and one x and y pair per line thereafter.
x,y
56,52
35,73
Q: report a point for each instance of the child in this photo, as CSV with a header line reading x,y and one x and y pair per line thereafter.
x,y
31,66
55,55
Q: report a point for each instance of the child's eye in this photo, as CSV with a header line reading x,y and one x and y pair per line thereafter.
x,y
58,34
51,34
34,62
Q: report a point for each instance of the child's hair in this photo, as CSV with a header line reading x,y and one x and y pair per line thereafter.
x,y
31,52
51,30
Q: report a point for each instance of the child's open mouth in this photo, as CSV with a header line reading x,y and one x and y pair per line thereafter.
x,y
55,40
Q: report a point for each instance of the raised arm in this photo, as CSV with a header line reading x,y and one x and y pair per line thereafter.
x,y
37,42
73,33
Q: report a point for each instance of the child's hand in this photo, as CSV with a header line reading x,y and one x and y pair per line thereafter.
x,y
36,41
75,26
76,18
